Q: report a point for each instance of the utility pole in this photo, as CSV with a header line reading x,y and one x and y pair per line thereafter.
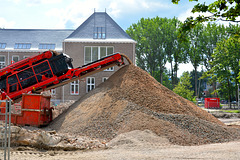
x,y
238,98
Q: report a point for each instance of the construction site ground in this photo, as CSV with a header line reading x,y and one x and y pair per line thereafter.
x,y
136,145
139,150
132,116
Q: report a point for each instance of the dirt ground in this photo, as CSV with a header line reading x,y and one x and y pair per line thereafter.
x,y
136,145
138,118
222,151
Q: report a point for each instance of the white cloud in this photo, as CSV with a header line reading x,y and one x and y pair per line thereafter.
x,y
15,1
183,16
39,2
119,7
6,24
35,2
78,11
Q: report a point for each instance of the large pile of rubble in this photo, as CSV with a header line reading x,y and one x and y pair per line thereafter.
x,y
133,100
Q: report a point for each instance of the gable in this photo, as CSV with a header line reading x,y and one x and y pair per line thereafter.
x,y
97,21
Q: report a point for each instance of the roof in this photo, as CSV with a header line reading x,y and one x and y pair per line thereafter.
x,y
113,32
34,36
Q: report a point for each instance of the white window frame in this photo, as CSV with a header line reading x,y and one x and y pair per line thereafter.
x,y
92,85
99,53
75,85
53,91
3,64
46,46
22,46
3,45
15,56
99,33
104,79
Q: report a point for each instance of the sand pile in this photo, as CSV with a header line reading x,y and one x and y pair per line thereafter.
x,y
132,100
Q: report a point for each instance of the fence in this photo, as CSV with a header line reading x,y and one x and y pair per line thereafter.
x,y
5,129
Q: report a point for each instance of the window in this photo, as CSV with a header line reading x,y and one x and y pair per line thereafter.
x,y
2,61
95,53
99,33
109,69
74,87
53,91
109,51
90,84
15,58
104,79
25,57
22,45
46,46
2,45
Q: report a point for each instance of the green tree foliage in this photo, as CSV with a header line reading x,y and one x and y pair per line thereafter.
x,y
184,86
149,44
157,43
226,66
165,79
174,48
212,34
201,83
225,10
196,51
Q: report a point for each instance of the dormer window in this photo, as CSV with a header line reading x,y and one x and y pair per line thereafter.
x,y
22,46
46,46
2,45
99,33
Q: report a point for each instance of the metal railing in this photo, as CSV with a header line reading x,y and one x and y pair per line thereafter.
x,y
5,129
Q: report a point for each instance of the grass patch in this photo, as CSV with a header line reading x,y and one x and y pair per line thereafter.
x,y
231,111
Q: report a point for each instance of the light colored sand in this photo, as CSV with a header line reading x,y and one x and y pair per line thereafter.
x,y
223,151
138,145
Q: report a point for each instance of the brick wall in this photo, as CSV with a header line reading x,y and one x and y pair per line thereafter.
x,y
76,51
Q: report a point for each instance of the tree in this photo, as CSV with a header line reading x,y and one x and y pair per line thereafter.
x,y
149,44
174,48
183,87
166,81
212,34
225,10
226,65
201,82
196,50
157,43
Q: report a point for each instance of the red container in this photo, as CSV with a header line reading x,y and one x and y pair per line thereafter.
x,y
35,111
212,103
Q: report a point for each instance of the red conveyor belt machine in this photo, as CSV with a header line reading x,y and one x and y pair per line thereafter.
x,y
25,80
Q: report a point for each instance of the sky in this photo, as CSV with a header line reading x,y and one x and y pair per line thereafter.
x,y
69,14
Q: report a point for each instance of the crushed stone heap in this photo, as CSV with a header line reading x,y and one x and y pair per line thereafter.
x,y
133,100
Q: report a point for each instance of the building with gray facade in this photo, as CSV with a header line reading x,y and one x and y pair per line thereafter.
x,y
97,37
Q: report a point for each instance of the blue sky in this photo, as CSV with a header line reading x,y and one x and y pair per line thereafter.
x,y
61,14
69,14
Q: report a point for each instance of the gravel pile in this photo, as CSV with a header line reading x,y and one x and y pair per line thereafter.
x,y
133,100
